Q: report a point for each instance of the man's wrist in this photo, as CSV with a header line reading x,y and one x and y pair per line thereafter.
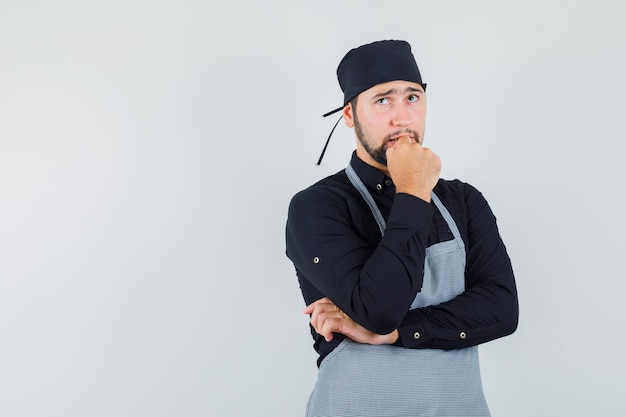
x,y
421,194
390,338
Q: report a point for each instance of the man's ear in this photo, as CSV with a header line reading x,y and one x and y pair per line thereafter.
x,y
348,116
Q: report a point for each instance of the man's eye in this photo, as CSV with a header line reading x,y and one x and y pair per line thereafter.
x,y
382,101
413,97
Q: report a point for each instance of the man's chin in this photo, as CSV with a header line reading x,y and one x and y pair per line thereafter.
x,y
381,159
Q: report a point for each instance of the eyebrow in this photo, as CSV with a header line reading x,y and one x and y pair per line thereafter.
x,y
396,91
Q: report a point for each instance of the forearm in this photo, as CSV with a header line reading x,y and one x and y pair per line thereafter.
x,y
477,316
470,319
487,309
373,284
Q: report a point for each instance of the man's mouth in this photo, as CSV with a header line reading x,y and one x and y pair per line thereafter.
x,y
393,140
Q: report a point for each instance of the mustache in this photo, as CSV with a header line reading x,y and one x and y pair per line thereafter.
x,y
404,132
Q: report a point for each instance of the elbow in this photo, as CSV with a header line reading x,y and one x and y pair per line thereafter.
x,y
381,310
508,328
383,321
511,319
383,327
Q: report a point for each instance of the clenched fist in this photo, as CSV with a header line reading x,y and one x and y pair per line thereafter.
x,y
414,169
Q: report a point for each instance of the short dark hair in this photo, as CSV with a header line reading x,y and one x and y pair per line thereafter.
x,y
353,102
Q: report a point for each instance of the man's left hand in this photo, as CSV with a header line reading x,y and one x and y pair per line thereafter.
x,y
327,318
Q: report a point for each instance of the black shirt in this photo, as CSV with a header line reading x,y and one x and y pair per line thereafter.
x,y
336,246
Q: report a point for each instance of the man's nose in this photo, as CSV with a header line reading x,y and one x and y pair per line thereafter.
x,y
401,116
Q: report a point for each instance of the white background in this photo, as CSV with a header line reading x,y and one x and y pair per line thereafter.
x,y
149,150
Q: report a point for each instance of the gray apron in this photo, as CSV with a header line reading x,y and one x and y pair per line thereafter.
x,y
369,380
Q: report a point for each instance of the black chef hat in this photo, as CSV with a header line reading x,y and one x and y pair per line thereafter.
x,y
375,63
371,64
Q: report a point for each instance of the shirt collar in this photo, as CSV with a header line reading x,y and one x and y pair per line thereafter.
x,y
371,177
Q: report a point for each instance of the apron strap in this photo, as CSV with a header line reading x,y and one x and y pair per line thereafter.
x,y
447,217
358,184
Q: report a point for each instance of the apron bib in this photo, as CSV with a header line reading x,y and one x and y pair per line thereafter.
x,y
369,380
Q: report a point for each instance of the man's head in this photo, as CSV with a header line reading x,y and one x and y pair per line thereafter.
x,y
384,97
376,63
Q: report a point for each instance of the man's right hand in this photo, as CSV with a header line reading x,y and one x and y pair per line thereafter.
x,y
414,169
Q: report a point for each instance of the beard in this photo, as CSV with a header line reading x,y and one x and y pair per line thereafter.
x,y
379,154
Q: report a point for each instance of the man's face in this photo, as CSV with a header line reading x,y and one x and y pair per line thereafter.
x,y
383,114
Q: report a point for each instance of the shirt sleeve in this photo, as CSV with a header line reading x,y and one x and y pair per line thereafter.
x,y
373,285
488,309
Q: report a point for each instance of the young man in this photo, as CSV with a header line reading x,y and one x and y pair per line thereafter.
x,y
404,274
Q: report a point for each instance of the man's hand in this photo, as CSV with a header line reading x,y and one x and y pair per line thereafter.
x,y
327,318
414,169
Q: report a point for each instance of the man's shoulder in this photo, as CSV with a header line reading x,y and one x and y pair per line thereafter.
x,y
330,196
335,185
452,188
457,192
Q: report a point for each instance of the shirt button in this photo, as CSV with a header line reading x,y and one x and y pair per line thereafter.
x,y
316,260
387,182
462,335
416,335
379,187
